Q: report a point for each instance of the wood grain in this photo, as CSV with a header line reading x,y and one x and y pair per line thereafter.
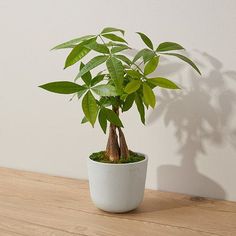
x,y
37,204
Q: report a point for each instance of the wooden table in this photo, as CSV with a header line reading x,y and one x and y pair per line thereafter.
x,y
37,204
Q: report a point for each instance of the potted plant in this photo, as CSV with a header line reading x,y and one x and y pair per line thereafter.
x,y
116,175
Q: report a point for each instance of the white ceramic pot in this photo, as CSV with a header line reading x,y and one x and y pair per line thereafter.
x,y
117,187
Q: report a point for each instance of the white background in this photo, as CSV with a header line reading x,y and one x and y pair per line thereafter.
x,y
190,138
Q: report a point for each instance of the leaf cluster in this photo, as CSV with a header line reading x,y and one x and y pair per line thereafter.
x,y
122,81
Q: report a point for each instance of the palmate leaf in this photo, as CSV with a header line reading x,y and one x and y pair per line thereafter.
x,y
78,52
124,59
102,120
97,79
105,101
90,107
105,90
94,62
87,77
105,115
140,107
184,58
63,87
151,65
119,48
146,40
114,44
81,93
114,37
163,83
145,53
84,120
168,46
139,89
116,71
148,95
128,102
132,86
73,42
134,74
112,29
112,117
75,55
98,47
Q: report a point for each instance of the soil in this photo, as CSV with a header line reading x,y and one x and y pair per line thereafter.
x,y
101,157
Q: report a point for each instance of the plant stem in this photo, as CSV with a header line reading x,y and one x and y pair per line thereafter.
x,y
115,150
124,151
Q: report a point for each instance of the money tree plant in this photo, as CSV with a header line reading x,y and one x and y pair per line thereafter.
x,y
121,83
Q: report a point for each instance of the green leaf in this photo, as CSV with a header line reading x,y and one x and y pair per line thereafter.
x,y
145,53
114,37
146,40
124,59
128,102
151,65
114,44
123,96
119,48
134,74
105,101
76,54
112,29
168,46
94,62
116,71
163,82
87,77
114,102
90,107
84,120
132,86
148,95
147,57
97,79
184,58
105,90
81,93
102,120
98,47
112,117
140,107
145,103
73,42
62,87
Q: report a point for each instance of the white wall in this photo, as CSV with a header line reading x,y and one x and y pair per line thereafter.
x,y
191,136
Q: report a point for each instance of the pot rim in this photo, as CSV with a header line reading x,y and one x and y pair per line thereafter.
x,y
121,164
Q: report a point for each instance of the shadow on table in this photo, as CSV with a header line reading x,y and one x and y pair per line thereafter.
x,y
162,201
199,122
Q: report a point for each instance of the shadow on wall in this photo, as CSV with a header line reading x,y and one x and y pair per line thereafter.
x,y
199,122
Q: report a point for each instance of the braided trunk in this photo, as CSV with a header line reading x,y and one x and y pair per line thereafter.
x,y
115,150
